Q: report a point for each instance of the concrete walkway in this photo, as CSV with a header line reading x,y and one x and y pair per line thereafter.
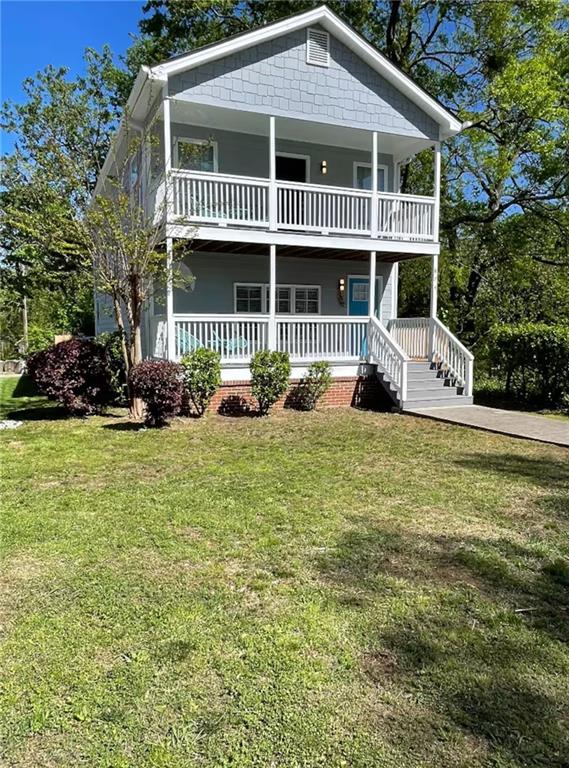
x,y
513,423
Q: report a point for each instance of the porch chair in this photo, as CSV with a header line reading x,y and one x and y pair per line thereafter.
x,y
186,342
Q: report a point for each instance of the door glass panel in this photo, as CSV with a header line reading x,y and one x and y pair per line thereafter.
x,y
363,177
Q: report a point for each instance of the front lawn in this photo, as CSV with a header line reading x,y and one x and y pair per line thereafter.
x,y
332,589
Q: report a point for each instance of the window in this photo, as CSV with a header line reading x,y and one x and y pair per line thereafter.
x,y
195,155
248,298
318,47
362,176
291,299
306,301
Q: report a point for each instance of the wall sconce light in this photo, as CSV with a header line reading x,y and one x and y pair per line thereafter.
x,y
342,291
324,167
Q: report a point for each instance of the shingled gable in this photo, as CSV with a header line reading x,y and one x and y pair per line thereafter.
x,y
367,88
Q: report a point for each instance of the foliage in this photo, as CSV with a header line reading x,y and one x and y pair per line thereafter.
x,y
313,386
112,342
325,592
159,384
74,373
533,360
270,373
202,377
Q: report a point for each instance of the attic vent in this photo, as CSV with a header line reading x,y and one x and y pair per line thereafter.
x,y
318,47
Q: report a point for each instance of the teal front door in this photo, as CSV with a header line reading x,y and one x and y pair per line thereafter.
x,y
358,296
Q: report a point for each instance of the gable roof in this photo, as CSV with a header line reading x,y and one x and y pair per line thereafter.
x,y
449,124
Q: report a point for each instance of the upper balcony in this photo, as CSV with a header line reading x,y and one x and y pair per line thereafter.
x,y
232,172
245,201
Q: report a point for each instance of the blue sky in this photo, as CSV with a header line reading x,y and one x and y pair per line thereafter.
x,y
35,33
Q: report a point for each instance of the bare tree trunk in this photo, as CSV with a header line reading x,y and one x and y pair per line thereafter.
x,y
130,359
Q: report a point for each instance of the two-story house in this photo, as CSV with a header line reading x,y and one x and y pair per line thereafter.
x,y
279,154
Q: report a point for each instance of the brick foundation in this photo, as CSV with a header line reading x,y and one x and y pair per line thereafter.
x,y
234,397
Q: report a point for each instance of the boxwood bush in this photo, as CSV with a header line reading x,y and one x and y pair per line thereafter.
x,y
202,377
532,359
313,386
159,384
270,374
74,373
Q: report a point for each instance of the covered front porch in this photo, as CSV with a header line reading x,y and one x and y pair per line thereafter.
x,y
338,307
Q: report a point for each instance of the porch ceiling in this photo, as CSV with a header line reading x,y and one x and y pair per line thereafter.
x,y
297,251
304,130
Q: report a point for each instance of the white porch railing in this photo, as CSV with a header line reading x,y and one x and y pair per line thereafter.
x,y
453,355
235,337
318,208
221,199
412,335
389,356
406,217
323,338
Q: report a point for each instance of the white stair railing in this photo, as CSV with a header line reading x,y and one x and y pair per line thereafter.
x,y
453,355
412,334
386,353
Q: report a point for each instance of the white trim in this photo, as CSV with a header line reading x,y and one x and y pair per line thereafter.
x,y
378,293
264,306
251,235
296,156
322,33
358,163
333,24
199,142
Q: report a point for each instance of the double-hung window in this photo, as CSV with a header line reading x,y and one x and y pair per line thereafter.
x,y
249,298
291,299
195,154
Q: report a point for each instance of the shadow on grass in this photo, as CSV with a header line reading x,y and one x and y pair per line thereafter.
x,y
479,624
39,412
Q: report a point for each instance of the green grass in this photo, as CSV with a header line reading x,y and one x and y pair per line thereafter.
x,y
332,589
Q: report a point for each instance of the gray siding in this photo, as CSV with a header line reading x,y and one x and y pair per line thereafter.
x,y
275,78
248,155
217,273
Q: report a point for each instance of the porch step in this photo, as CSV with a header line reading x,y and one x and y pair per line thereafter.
x,y
440,402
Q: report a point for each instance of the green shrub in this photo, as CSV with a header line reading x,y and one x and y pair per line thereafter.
x,y
40,338
112,343
313,386
533,361
270,373
202,376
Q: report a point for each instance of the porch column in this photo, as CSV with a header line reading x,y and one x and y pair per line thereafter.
x,y
437,191
272,174
168,188
170,327
273,298
434,284
372,283
374,202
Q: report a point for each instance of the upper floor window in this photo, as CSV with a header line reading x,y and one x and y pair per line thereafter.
x,y
362,176
195,154
318,47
